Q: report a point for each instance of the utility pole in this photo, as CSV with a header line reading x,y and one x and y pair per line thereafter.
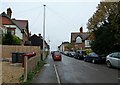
x,y
43,34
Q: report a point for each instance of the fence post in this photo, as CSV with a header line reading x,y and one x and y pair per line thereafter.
x,y
25,68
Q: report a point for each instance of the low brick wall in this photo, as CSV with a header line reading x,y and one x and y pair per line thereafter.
x,y
32,62
8,49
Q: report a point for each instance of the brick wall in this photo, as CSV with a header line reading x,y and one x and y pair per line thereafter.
x,y
8,49
32,62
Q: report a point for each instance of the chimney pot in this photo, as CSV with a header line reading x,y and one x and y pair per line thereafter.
x,y
81,29
9,12
40,36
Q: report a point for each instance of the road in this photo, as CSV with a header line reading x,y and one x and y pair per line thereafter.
x,y
71,70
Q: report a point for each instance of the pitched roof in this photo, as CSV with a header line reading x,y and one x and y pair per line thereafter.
x,y
83,35
37,41
65,42
5,15
21,23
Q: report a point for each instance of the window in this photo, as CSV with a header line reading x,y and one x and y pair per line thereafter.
x,y
87,43
11,31
78,40
119,55
115,55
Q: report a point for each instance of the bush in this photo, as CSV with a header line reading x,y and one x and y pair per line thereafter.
x,y
10,39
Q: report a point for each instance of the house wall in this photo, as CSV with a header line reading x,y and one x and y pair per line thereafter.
x,y
87,44
61,48
79,46
25,37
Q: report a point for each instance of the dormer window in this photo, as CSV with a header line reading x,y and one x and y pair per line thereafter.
x,y
78,40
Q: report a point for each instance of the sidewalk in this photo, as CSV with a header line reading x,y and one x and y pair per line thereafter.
x,y
47,73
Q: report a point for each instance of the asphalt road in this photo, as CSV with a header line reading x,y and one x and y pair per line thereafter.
x,y
71,70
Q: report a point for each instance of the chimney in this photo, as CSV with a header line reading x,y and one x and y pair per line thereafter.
x,y
40,35
29,34
81,29
13,19
9,12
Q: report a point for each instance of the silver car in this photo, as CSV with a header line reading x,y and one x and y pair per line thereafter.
x,y
113,60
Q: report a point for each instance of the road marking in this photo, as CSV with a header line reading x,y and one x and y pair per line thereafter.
x,y
58,78
47,65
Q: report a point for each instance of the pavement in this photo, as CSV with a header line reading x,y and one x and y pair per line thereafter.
x,y
47,74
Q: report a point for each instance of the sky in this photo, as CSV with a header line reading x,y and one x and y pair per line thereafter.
x,y
62,16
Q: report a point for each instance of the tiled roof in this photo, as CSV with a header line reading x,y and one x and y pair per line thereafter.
x,y
83,35
21,23
5,15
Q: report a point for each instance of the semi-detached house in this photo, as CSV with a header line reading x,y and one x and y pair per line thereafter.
x,y
18,28
5,20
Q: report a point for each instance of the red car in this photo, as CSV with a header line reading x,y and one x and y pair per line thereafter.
x,y
57,56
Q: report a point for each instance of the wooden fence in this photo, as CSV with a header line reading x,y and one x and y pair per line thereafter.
x,y
8,49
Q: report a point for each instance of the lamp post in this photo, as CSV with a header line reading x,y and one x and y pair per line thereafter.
x,y
43,32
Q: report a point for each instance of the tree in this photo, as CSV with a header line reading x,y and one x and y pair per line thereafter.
x,y
104,40
104,10
107,34
69,46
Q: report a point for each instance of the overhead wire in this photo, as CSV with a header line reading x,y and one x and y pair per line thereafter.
x,y
21,13
64,18
36,19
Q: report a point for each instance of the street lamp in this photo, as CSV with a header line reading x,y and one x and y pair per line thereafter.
x,y
44,31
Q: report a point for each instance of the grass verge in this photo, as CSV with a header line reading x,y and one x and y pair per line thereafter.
x,y
31,74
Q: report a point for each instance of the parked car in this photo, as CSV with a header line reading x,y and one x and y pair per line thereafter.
x,y
51,52
94,58
71,54
57,56
80,54
113,60
65,53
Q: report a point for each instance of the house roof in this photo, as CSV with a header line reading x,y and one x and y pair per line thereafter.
x,y
21,23
5,15
37,41
83,35
65,42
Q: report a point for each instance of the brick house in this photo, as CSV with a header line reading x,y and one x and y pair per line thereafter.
x,y
18,28
80,40
11,26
